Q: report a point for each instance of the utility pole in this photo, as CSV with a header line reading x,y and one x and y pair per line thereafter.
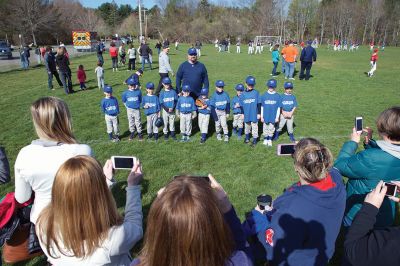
x,y
145,22
140,19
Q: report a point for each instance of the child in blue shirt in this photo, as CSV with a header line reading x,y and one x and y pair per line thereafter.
x,y
289,105
204,110
186,110
110,108
168,99
221,102
250,101
237,110
270,111
151,106
132,98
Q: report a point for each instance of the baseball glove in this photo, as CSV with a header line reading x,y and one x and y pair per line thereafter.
x,y
199,103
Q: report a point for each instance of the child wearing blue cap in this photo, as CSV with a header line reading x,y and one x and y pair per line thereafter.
x,y
151,106
238,116
204,108
289,105
270,111
132,98
186,111
221,102
110,108
168,99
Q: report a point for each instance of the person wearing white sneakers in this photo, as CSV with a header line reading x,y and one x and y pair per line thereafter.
x,y
270,111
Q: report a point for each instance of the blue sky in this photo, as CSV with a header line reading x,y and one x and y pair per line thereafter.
x,y
133,3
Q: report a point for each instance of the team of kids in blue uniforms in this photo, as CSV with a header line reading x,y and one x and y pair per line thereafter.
x,y
248,107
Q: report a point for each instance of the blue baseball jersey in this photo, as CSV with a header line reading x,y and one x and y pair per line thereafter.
x,y
185,104
168,98
152,103
109,106
288,102
270,103
221,101
132,98
236,102
135,77
207,110
250,102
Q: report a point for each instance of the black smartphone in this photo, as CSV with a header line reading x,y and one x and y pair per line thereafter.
x,y
391,189
123,162
285,149
358,124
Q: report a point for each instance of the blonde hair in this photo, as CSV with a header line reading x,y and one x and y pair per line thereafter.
x,y
312,160
52,120
185,227
81,211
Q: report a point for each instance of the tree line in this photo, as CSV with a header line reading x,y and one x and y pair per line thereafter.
x,y
49,21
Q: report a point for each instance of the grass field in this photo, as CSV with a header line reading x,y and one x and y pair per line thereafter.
x,y
328,103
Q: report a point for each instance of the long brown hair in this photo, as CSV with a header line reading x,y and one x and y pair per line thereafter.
x,y
52,120
185,227
81,211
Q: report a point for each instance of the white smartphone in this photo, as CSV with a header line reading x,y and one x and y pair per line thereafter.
x,y
358,124
123,162
285,149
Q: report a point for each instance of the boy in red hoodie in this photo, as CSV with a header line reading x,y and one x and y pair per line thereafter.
x,y
81,77
374,58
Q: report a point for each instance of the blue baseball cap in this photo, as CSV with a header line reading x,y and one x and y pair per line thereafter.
x,y
150,85
288,85
204,91
192,51
107,89
219,83
166,80
186,88
239,87
132,82
250,80
271,83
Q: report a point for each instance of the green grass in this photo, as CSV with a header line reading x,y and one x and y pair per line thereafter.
x,y
328,104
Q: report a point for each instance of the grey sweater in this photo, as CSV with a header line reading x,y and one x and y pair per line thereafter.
x,y
164,65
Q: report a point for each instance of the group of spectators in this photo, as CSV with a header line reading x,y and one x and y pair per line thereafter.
x,y
192,221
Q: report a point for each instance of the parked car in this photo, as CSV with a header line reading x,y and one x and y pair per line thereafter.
x,y
5,49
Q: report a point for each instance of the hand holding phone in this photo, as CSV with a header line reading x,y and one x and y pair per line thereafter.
x,y
358,124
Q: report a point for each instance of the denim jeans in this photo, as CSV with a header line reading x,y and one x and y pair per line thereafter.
x,y
114,62
274,69
66,81
283,66
50,79
100,58
144,60
289,69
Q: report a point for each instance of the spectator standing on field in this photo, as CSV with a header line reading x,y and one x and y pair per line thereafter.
x,y
307,57
114,56
64,70
100,49
4,167
238,47
50,63
275,59
158,47
290,56
198,46
144,52
164,67
131,57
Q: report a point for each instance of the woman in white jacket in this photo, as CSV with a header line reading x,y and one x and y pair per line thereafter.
x,y
36,164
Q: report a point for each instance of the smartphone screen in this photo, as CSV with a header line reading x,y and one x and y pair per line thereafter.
x,y
286,149
359,124
123,162
391,189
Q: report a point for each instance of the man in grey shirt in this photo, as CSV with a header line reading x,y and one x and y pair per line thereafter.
x,y
164,67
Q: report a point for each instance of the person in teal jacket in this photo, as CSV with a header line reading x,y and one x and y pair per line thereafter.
x,y
379,161
275,59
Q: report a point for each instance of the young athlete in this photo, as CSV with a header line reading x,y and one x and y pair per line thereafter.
x,y
204,108
270,111
100,75
374,58
81,75
237,112
221,102
289,105
251,103
151,106
132,98
135,76
186,110
168,100
110,108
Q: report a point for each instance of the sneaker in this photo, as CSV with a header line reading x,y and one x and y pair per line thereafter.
x,y
149,136
219,137
116,139
226,138
246,141
202,141
166,136
265,142
140,137
173,137
187,139
269,143
183,139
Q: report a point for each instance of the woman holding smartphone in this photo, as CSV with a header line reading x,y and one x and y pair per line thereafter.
x,y
380,160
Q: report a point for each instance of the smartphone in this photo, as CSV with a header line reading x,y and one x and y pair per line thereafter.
x,y
285,149
391,189
358,124
123,162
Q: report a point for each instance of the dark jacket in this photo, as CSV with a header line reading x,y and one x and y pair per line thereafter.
x,y
50,61
62,63
365,246
144,50
308,54
306,222
379,161
4,167
195,75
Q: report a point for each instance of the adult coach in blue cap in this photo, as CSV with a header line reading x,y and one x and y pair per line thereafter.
x,y
308,56
192,73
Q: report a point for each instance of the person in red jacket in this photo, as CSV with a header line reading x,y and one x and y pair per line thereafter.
x,y
114,56
81,77
374,58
